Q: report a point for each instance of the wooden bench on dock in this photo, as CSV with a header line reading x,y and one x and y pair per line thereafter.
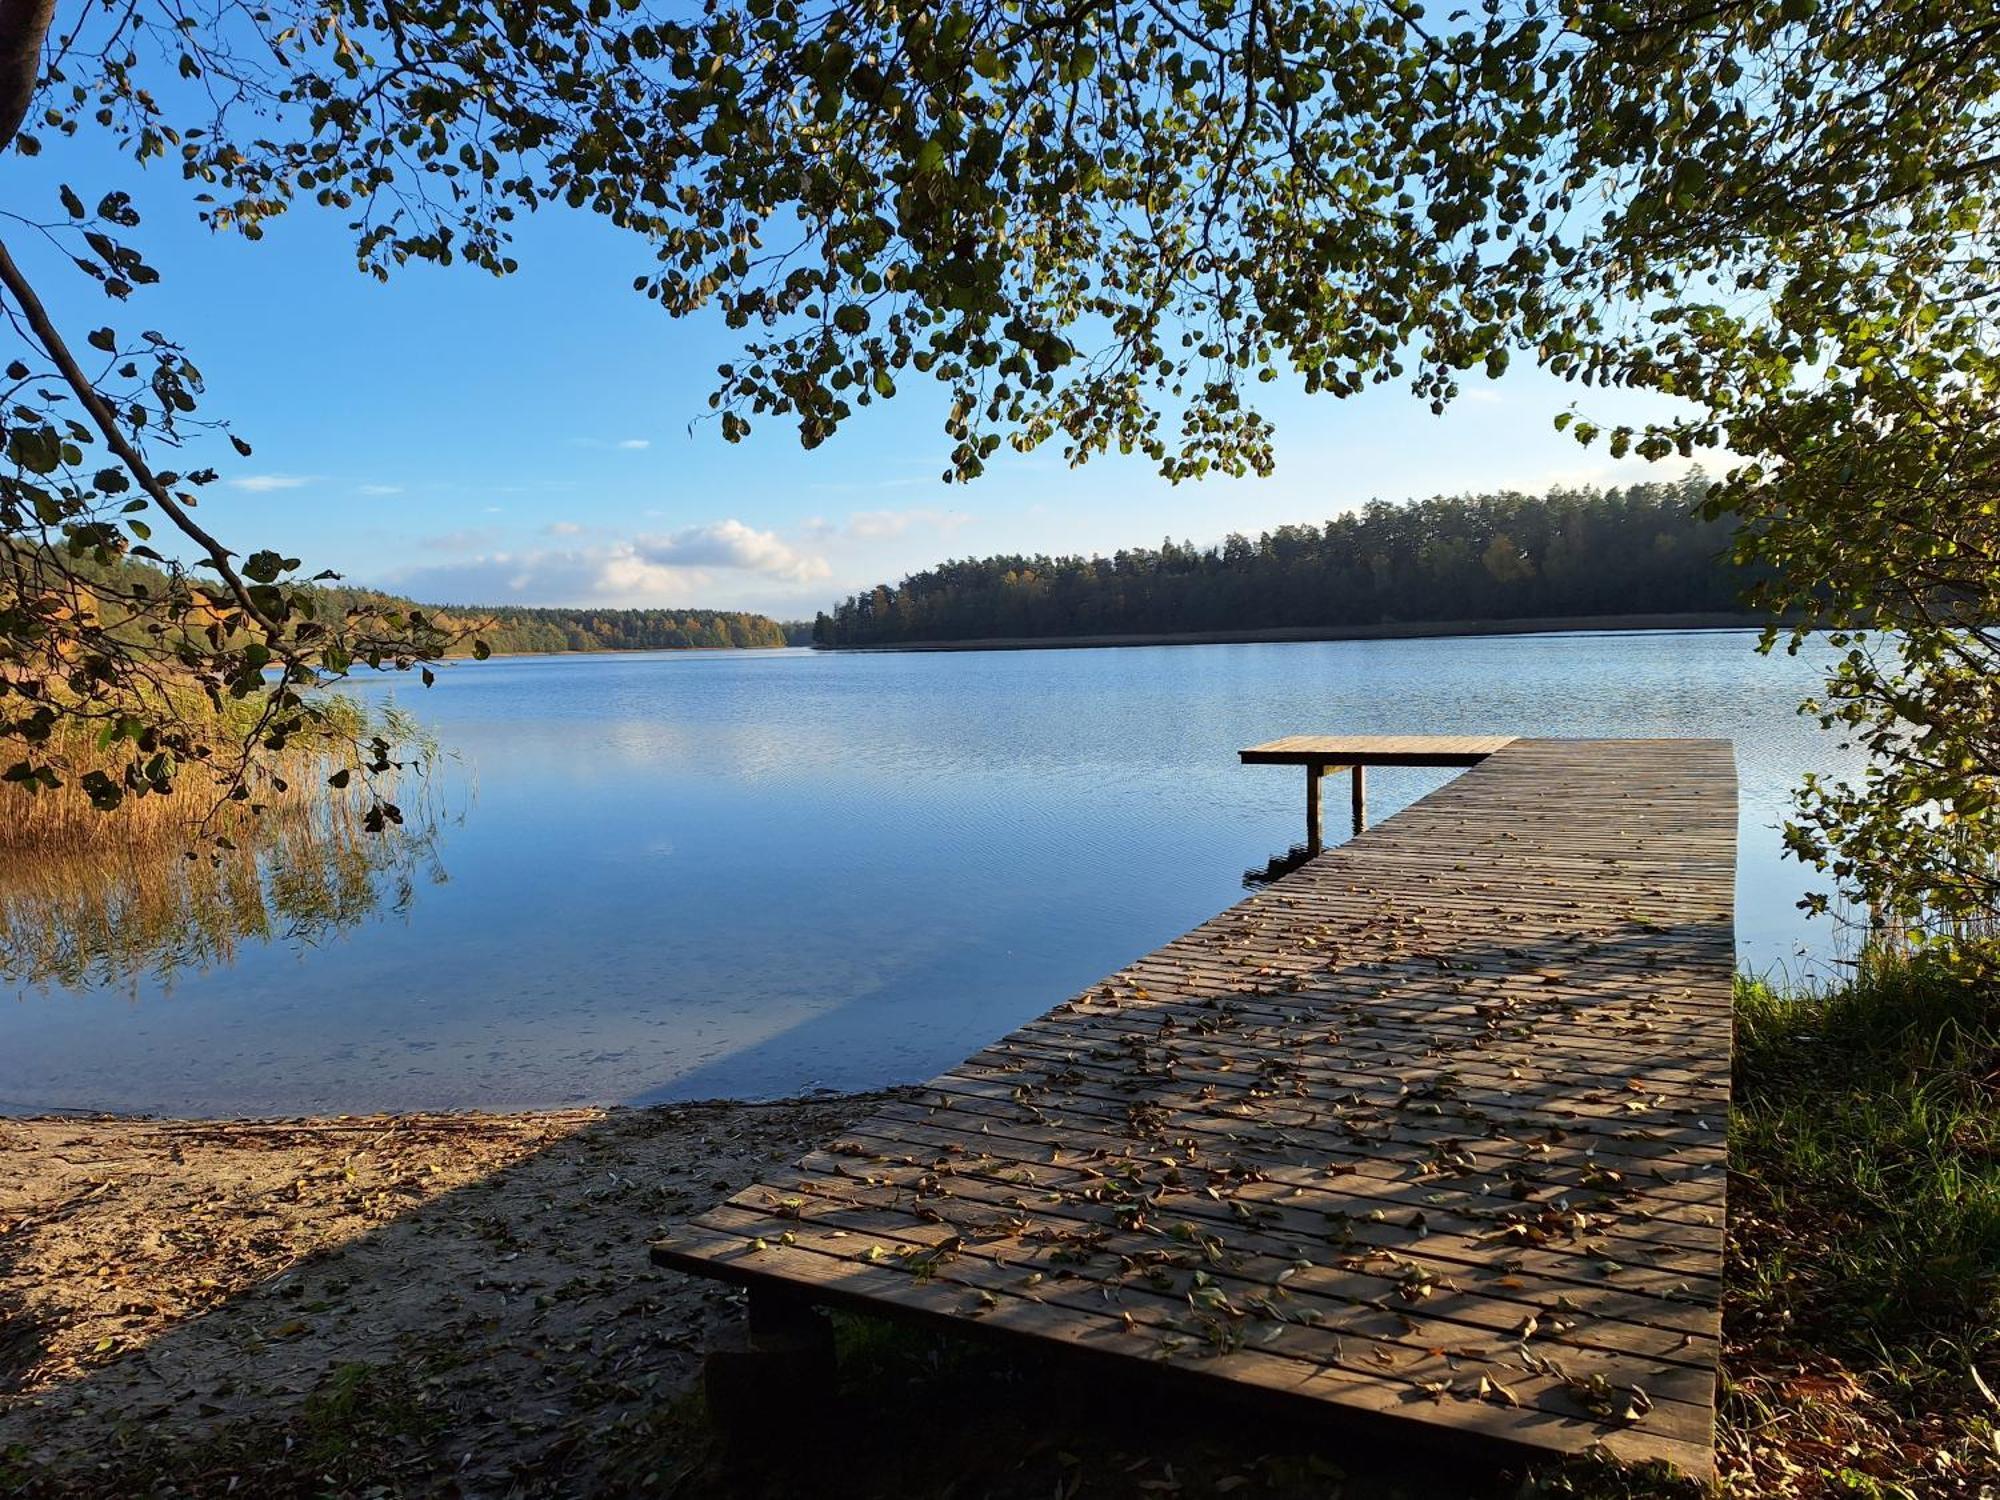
x,y
1323,754
1429,1133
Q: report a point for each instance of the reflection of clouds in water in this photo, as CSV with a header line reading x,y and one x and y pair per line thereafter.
x,y
749,872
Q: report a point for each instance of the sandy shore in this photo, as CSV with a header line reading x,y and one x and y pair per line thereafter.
x,y
161,1280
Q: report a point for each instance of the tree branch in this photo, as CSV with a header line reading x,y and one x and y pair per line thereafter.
x,y
100,411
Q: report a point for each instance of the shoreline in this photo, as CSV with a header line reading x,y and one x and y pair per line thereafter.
x,y
467,656
1391,631
56,1114
1395,630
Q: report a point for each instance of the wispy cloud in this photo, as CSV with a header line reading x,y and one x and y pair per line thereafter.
x,y
261,484
625,445
471,539
707,563
562,528
730,544
879,525
633,445
378,489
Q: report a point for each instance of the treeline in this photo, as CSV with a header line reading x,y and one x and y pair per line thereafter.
x,y
1571,552
529,629
520,628
503,628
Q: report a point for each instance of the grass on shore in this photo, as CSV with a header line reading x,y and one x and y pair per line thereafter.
x,y
1863,1311
179,879
1861,1322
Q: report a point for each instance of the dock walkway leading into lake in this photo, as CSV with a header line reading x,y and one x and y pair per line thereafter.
x,y
1430,1132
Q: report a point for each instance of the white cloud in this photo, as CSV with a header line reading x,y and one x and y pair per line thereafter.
x,y
878,525
260,484
379,489
563,528
626,445
469,540
874,484
722,565
729,544
633,445
1607,474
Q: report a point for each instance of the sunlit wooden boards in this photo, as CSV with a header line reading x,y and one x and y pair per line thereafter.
x,y
1375,750
1430,1131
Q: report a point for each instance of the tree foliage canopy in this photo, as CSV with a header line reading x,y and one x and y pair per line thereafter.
x,y
1103,223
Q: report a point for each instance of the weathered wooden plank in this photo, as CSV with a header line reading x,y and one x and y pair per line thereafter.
x,y
1617,1318
1672,1297
1083,1323
1467,1069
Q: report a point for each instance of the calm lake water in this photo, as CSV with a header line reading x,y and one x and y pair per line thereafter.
x,y
684,875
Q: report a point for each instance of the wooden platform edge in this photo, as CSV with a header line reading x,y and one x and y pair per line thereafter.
x,y
1375,750
1694,1460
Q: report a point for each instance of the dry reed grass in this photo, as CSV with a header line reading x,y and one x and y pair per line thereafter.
x,y
197,809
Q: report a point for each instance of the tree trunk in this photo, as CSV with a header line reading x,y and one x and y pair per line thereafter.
x,y
23,25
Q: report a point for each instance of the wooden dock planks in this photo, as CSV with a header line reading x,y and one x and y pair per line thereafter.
x,y
1430,1130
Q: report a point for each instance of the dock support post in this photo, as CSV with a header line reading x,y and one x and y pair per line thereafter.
x,y
1360,800
1315,832
779,1359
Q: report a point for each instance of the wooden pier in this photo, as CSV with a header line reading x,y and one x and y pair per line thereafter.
x,y
1430,1133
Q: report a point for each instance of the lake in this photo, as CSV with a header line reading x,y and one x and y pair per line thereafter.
x,y
685,875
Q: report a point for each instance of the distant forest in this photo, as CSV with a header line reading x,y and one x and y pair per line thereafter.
x,y
1640,550
528,628
520,628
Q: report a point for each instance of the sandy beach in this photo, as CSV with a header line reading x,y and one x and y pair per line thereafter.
x,y
161,1280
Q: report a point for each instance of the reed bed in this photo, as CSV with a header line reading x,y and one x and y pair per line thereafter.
x,y
197,808
181,880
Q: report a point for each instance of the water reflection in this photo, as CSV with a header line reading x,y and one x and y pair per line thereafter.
x,y
141,916
1276,867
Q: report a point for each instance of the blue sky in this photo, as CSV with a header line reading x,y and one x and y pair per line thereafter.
x,y
528,440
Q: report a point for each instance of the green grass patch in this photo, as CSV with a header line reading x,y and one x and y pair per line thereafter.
x,y
1863,1314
